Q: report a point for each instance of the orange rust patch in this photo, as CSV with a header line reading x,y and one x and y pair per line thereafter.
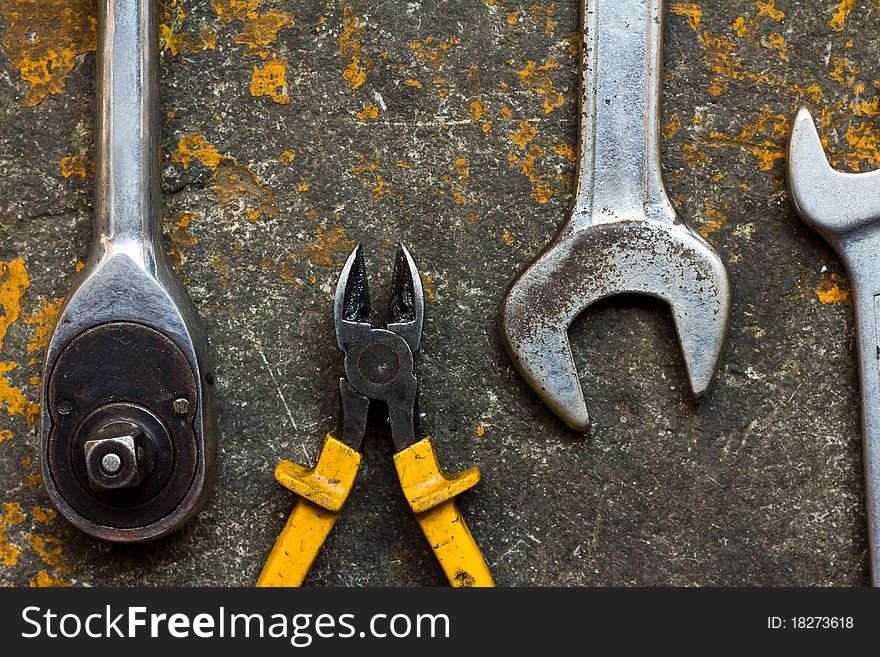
x,y
777,42
233,181
461,169
567,151
45,516
12,516
692,156
542,191
536,78
544,14
369,113
73,165
524,135
380,189
182,240
45,40
13,283
259,30
720,55
173,40
43,321
862,142
196,147
350,46
832,289
271,80
769,125
49,549
13,398
669,130
693,12
328,242
838,21
237,182
364,165
573,43
716,219
433,52
843,71
428,287
44,580
477,109
748,29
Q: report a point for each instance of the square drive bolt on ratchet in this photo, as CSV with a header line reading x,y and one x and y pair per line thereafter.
x,y
623,236
128,430
844,208
379,368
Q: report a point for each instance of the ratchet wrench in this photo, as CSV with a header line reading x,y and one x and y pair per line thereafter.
x,y
128,428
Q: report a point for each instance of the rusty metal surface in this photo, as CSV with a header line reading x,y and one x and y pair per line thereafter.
x,y
293,130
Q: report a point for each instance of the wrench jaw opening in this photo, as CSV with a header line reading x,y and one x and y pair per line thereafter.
x,y
835,204
626,257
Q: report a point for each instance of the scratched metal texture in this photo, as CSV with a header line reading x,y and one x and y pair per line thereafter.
x,y
295,129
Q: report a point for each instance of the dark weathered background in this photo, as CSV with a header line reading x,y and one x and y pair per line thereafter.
x,y
295,129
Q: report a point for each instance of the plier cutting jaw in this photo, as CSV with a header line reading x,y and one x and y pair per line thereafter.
x,y
379,362
379,367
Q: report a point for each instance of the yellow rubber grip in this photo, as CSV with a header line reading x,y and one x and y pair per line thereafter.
x,y
324,490
431,495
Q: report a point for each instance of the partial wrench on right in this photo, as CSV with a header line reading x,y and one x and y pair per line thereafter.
x,y
845,209
624,236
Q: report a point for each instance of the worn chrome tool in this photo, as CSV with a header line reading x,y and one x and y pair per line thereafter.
x,y
128,426
845,209
378,368
623,236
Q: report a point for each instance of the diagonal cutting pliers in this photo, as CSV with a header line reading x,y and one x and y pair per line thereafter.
x,y
379,367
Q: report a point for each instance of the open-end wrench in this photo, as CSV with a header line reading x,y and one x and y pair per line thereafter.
x,y
845,209
624,235
127,426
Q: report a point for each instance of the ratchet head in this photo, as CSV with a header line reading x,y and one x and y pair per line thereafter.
x,y
128,427
832,202
642,257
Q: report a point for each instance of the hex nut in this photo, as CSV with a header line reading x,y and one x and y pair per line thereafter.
x,y
128,444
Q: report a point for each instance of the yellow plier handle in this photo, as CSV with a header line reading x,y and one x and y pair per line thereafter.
x,y
324,490
431,495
